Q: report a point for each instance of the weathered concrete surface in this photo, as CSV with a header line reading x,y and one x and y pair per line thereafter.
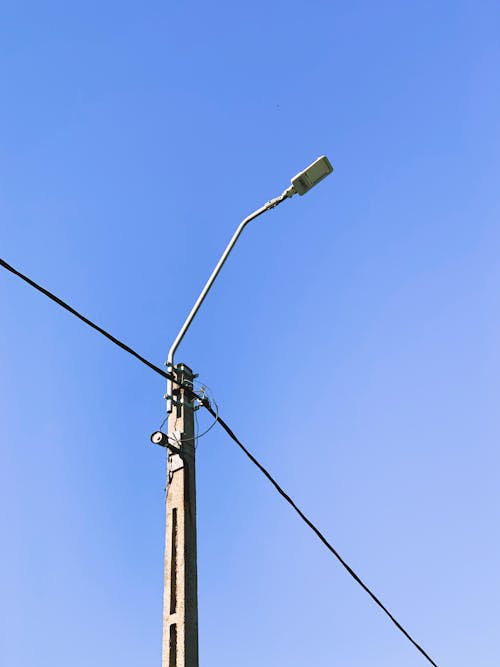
x,y
180,595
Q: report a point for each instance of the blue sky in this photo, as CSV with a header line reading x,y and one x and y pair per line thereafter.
x,y
352,340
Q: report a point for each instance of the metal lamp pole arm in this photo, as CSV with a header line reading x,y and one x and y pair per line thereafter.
x,y
301,183
270,204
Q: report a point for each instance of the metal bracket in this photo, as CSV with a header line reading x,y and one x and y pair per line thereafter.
x,y
172,400
178,372
175,457
175,453
175,463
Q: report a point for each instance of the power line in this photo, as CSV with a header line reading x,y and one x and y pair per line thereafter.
x,y
319,534
206,404
84,319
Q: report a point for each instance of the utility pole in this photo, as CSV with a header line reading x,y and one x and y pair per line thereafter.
x,y
180,595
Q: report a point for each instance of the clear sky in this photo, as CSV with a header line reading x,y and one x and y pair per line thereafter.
x,y
351,342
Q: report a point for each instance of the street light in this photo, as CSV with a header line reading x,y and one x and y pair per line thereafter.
x,y
300,184
180,596
315,172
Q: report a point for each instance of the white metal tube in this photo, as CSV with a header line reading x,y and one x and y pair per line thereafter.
x,y
210,282
270,204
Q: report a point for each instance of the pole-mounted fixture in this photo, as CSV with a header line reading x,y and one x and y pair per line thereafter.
x,y
315,172
300,184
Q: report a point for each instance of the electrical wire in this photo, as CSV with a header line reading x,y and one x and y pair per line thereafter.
x,y
318,533
205,398
197,428
217,418
63,304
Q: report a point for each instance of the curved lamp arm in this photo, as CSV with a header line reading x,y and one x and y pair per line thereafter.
x,y
271,204
301,183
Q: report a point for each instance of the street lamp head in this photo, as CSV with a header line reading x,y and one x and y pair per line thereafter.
x,y
312,175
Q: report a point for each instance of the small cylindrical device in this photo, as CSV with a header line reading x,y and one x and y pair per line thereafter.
x,y
159,438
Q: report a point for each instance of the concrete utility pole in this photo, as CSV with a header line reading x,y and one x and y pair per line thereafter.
x,y
180,599
180,595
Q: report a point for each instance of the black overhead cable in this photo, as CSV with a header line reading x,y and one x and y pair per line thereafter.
x,y
81,317
319,534
231,434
